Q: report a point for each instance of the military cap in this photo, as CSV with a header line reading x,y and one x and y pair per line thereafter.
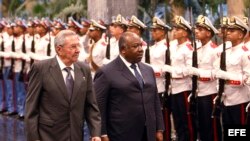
x,y
246,21
119,20
4,22
73,23
134,21
59,24
224,22
85,22
235,22
158,23
179,21
30,22
20,22
96,25
203,21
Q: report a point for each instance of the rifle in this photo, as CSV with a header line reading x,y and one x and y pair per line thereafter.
x,y
49,45
2,60
147,53
108,47
32,49
167,76
22,73
11,72
193,100
218,104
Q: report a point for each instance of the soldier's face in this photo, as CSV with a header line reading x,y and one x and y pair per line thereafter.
x,y
201,33
134,30
179,33
157,34
234,34
30,30
40,29
10,30
117,30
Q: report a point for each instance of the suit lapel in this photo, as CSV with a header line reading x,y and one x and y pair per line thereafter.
x,y
56,74
126,72
144,73
77,82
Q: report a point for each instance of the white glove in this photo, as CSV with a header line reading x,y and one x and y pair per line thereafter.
x,y
189,97
12,55
222,75
214,100
18,56
26,58
167,68
193,71
6,54
248,105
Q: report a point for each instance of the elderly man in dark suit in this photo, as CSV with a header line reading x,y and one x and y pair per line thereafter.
x,y
60,96
127,96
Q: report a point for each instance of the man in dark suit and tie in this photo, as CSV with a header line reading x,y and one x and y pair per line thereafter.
x,y
60,96
127,96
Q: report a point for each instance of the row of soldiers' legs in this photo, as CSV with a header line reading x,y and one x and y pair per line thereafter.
x,y
191,127
12,94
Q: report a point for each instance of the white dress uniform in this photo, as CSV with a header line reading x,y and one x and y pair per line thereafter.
x,y
247,44
98,54
181,59
157,61
238,72
17,55
41,45
7,54
206,57
220,47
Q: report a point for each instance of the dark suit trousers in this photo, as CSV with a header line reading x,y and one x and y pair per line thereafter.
x,y
144,136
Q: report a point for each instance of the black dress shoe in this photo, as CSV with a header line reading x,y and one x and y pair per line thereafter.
x,y
10,113
2,111
20,117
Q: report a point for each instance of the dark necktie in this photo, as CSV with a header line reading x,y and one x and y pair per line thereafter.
x,y
69,81
137,75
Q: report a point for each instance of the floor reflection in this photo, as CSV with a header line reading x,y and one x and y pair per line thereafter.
x,y
11,129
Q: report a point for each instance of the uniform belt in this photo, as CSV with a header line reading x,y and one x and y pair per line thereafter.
x,y
204,79
157,74
233,82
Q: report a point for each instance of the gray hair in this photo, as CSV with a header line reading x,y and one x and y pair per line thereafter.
x,y
60,37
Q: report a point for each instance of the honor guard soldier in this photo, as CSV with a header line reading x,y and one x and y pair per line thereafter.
x,y
9,49
138,27
41,44
98,49
4,36
181,60
2,95
236,92
209,128
156,57
247,37
56,28
157,51
117,27
74,25
20,60
84,39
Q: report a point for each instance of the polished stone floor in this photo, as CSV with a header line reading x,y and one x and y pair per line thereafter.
x,y
11,129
